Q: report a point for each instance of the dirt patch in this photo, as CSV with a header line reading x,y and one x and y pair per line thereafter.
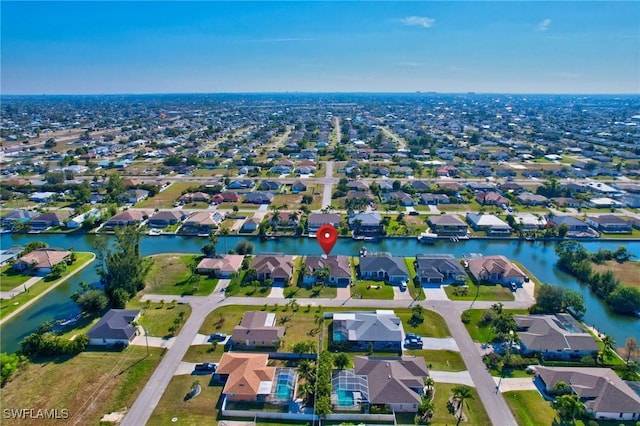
x,y
626,272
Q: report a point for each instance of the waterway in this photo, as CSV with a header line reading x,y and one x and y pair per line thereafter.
x,y
538,257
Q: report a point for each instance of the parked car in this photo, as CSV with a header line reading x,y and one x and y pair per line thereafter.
x,y
414,213
514,286
218,337
413,344
205,367
413,336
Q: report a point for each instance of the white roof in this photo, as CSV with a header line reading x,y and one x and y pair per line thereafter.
x,y
491,220
530,219
604,201
265,387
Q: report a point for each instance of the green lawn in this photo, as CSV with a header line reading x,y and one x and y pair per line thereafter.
x,y
529,408
367,289
157,318
9,305
440,360
165,199
481,333
432,326
172,274
236,289
102,382
10,278
299,289
473,408
414,287
491,292
204,353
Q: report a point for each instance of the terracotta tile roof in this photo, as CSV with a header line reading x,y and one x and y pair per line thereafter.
x,y
247,371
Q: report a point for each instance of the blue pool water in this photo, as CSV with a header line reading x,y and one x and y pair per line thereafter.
x,y
345,398
282,391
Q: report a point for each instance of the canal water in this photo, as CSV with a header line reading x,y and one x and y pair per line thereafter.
x,y
538,257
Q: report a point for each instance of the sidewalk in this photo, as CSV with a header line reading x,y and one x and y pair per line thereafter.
x,y
19,289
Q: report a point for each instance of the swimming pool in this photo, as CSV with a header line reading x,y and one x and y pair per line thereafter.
x,y
284,384
345,398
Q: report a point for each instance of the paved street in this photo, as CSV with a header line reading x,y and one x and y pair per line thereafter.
x,y
148,399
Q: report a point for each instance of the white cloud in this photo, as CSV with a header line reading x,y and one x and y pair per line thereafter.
x,y
544,25
419,21
408,64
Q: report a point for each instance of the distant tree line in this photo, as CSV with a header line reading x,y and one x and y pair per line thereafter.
x,y
576,260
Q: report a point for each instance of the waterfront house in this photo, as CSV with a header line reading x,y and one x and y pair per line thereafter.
x,y
448,225
338,269
41,261
366,224
603,393
277,268
114,328
554,336
433,270
316,220
381,329
609,224
576,227
17,216
382,266
49,219
495,269
492,225
78,220
165,218
250,225
257,329
220,267
199,223
127,217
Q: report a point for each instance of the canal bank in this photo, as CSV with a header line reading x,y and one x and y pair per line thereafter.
x,y
538,257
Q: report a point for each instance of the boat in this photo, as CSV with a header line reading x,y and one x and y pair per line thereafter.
x,y
427,238
370,239
154,232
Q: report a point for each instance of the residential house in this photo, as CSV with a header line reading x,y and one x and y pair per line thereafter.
x,y
434,199
165,218
114,328
241,184
420,185
566,202
191,197
199,223
491,198
366,224
284,221
510,187
42,197
277,268
576,227
17,216
133,196
258,197
609,224
225,197
383,266
281,169
250,225
78,220
554,336
46,220
357,185
298,187
41,261
603,393
448,225
338,269
403,198
433,270
246,375
269,185
316,220
257,329
530,221
492,225
496,269
220,267
530,199
127,217
9,255
356,195
394,382
381,329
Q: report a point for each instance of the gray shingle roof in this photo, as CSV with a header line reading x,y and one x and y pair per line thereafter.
x,y
392,380
115,324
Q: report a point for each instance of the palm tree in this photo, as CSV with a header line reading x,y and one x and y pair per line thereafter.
x,y
609,343
568,407
460,394
318,319
429,382
306,369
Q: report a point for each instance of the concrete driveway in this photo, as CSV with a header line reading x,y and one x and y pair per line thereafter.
x,y
515,383
435,293
343,292
398,294
277,291
154,342
457,377
448,344
185,368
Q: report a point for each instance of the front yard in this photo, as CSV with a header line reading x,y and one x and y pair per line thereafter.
x,y
490,292
158,319
11,278
480,332
440,360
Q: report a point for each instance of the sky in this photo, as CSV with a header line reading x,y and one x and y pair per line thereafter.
x,y
306,46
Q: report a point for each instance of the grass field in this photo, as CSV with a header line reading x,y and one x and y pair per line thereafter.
x,y
483,292
9,305
171,274
626,272
375,290
529,408
484,334
432,326
299,289
416,290
235,289
440,360
293,201
157,318
10,278
102,382
166,198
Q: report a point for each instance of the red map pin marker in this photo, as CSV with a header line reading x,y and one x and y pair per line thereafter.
x,y
327,236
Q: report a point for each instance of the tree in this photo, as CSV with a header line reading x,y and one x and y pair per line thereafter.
x,y
244,247
32,246
561,388
609,342
119,298
9,364
568,407
58,270
93,301
624,299
209,249
630,348
54,178
306,369
460,394
125,268
114,188
81,194
341,361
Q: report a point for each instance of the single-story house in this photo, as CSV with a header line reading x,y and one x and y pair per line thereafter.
x,y
277,268
382,329
602,392
530,221
437,269
257,329
609,224
191,197
433,199
269,185
41,261
46,220
316,220
114,328
448,225
284,220
495,269
9,254
127,217
489,223
366,224
566,202
77,221
42,197
17,216
134,195
530,199
258,197
241,184
403,198
298,186
220,267
338,268
395,382
250,225
491,198
383,266
246,375
554,336
225,197
199,223
165,218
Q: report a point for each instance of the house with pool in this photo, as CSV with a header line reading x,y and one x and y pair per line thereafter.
x,y
381,330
